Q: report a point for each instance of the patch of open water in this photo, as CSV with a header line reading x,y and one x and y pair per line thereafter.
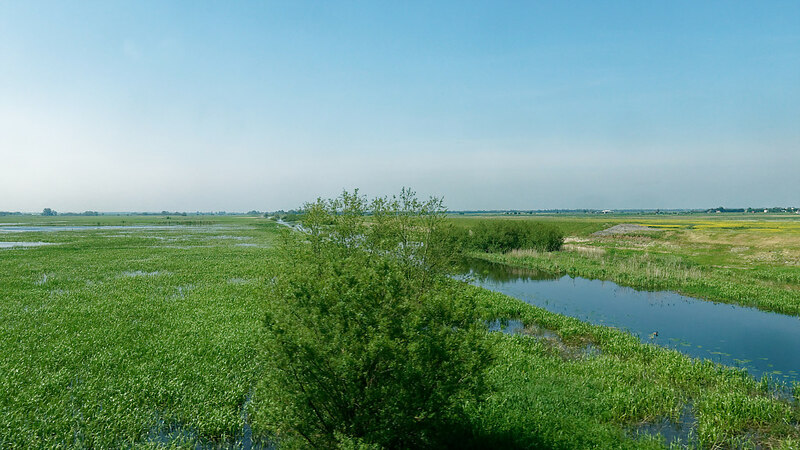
x,y
55,228
24,244
764,343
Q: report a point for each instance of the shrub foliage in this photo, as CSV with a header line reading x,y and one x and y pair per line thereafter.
x,y
367,341
504,235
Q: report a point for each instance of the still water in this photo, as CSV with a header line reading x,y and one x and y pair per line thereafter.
x,y
762,342
23,244
55,228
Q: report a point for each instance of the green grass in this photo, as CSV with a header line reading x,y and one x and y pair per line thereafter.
x,y
150,337
110,338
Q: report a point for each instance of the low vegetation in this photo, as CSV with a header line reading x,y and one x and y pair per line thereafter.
x,y
123,336
598,387
746,262
191,335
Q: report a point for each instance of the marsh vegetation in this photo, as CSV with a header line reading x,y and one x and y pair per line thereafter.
x,y
733,260
199,348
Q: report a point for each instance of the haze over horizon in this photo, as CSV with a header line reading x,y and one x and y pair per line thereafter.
x,y
187,106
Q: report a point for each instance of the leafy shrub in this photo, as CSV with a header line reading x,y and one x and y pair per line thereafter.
x,y
505,235
367,343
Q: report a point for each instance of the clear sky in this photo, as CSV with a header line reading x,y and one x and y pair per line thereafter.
x,y
139,105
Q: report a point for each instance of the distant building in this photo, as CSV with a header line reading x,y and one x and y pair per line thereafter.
x,y
607,211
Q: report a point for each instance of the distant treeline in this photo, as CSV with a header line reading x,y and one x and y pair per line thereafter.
x,y
293,215
721,209
85,213
774,209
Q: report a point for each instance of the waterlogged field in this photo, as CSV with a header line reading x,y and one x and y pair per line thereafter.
x,y
129,335
751,260
149,336
567,384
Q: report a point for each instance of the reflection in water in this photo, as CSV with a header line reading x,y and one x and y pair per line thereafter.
x,y
507,326
674,432
483,270
762,342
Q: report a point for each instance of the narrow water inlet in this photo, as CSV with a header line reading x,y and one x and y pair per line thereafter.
x,y
764,343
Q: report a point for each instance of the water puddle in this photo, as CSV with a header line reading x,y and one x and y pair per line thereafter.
x,y
182,291
764,343
53,228
56,228
674,432
24,244
175,434
139,273
548,337
506,326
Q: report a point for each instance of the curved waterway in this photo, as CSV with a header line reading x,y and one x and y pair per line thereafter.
x,y
761,342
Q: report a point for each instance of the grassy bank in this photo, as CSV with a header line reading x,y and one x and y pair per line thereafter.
x,y
563,394
746,262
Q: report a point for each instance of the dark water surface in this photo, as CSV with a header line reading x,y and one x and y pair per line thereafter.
x,y
762,342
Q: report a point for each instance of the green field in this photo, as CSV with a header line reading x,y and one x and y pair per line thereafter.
x,y
151,337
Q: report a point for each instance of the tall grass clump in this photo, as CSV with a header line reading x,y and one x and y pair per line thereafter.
x,y
506,235
367,343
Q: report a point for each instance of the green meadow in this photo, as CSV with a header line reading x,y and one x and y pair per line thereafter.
x,y
153,336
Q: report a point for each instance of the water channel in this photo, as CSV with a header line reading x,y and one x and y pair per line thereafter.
x,y
761,342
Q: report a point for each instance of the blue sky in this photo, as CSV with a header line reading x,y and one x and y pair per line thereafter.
x,y
113,105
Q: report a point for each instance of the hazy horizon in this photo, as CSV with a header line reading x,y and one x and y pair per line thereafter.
x,y
194,106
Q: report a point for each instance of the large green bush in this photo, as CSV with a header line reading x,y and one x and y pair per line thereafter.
x,y
366,340
495,235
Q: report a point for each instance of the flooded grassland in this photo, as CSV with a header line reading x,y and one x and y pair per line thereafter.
x,y
148,336
124,334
